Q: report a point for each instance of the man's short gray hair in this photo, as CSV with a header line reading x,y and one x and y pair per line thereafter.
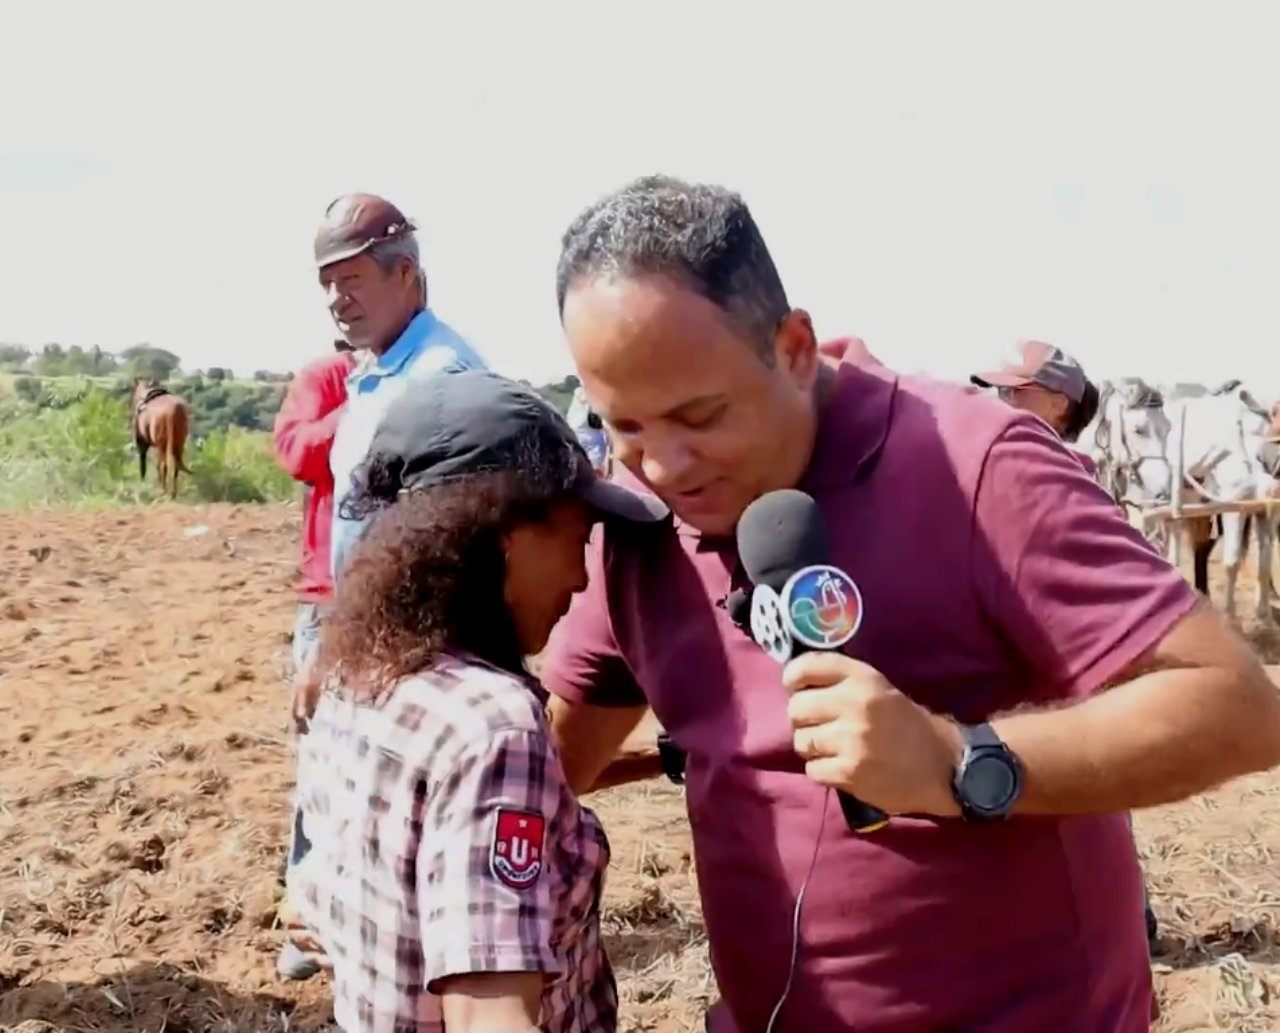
x,y
389,253
699,234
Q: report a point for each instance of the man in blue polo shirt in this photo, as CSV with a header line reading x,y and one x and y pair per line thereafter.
x,y
367,256
589,430
368,263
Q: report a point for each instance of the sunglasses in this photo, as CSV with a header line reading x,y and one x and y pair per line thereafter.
x,y
1008,394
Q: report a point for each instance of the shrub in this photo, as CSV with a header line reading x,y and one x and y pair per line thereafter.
x,y
83,454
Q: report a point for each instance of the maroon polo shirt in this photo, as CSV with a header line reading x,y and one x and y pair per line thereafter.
x,y
994,573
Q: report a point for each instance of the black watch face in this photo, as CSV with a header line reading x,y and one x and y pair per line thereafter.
x,y
989,783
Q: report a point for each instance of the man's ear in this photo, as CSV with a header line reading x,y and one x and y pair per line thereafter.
x,y
409,273
795,348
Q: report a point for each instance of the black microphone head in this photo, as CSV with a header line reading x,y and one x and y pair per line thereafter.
x,y
778,534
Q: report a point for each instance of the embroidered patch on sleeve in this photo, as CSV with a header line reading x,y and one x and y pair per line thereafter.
x,y
515,855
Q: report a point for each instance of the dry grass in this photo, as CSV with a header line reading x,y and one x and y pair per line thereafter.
x,y
144,766
1211,871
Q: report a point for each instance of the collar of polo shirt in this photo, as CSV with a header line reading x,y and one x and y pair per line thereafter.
x,y
853,425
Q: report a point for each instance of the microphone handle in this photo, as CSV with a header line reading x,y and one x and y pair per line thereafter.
x,y
861,817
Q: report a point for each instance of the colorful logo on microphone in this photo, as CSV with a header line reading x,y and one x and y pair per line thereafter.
x,y
823,606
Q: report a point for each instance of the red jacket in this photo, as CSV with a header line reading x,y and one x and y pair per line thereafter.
x,y
303,436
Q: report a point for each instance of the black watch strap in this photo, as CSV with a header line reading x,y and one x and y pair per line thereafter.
x,y
977,737
983,747
672,759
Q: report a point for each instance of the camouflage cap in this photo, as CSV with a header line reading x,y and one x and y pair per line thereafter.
x,y
1038,363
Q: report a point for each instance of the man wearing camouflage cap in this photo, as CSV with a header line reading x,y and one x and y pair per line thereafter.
x,y
376,290
1044,380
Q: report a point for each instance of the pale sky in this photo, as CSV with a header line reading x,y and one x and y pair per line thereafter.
x,y
940,179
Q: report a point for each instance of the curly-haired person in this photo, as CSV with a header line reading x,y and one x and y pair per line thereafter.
x,y
455,881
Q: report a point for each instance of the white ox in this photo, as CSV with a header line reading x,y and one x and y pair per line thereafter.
x,y
1218,446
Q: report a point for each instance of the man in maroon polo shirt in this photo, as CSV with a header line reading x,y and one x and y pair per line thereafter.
x,y
999,585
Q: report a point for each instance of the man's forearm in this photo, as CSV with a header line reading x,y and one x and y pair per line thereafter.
x,y
1159,738
601,747
624,769
636,760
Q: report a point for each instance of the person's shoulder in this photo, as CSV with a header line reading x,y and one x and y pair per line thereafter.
x,y
950,420
1027,439
441,333
849,349
335,365
952,401
1086,461
469,701
920,402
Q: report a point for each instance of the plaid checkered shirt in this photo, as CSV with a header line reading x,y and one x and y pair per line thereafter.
x,y
446,841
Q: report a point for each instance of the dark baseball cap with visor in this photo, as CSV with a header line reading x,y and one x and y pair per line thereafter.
x,y
354,223
1041,364
455,425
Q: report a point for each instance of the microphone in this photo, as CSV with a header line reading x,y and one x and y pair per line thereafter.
x,y
799,602
738,605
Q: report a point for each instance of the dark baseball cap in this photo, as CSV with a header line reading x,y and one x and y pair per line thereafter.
x,y
1038,363
455,425
353,223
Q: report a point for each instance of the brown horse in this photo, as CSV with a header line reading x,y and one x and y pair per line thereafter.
x,y
161,420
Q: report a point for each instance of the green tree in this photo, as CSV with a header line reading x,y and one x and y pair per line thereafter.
x,y
76,361
101,363
143,360
12,356
52,361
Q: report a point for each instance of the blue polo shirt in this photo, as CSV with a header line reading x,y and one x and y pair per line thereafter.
x,y
426,347
596,444
593,439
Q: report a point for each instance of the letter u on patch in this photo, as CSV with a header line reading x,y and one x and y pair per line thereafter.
x,y
515,855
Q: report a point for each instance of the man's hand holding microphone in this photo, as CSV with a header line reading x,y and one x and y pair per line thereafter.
x,y
855,731
861,736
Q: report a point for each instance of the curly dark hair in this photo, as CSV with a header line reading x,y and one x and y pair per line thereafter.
x,y
427,576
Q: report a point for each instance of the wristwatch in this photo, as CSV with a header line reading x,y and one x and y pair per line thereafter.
x,y
672,759
988,779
